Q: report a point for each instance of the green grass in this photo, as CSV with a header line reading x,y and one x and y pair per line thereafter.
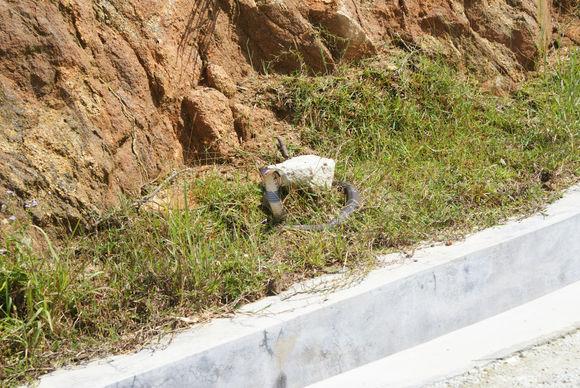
x,y
433,156
432,152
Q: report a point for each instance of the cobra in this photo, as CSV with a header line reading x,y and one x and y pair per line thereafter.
x,y
293,171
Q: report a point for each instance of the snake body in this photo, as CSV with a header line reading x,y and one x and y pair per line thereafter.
x,y
352,204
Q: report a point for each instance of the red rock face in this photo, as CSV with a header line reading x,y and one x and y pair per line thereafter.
x,y
489,35
87,94
208,133
99,97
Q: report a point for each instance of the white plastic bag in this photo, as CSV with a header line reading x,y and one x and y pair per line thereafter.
x,y
306,171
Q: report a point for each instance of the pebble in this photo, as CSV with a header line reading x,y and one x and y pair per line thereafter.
x,y
30,204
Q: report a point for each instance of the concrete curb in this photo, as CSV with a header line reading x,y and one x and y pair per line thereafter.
x,y
441,359
296,339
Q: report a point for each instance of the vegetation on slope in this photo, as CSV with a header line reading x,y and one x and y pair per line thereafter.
x,y
433,155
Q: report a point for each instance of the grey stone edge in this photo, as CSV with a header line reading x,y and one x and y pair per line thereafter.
x,y
307,334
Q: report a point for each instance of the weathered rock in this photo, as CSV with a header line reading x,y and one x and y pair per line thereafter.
x,y
345,36
490,37
494,37
243,121
279,37
572,32
499,85
85,99
219,79
207,133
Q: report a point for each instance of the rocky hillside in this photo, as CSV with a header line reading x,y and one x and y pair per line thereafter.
x,y
99,97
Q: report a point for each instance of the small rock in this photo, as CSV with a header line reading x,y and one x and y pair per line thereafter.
x,y
242,121
219,79
26,241
12,218
3,251
208,129
30,204
352,41
498,86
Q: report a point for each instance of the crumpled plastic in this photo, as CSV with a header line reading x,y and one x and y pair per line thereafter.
x,y
306,171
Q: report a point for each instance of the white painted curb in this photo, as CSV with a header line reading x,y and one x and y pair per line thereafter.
x,y
295,341
452,354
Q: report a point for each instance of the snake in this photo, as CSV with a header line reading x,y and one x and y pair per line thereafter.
x,y
274,202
